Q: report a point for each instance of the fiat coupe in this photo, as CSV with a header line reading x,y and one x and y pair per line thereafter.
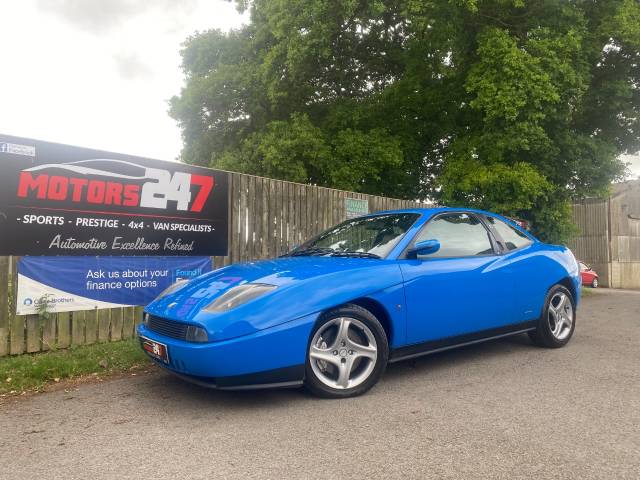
x,y
333,312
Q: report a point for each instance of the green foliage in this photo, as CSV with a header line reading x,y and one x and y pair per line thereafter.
x,y
42,307
517,106
284,149
586,292
510,189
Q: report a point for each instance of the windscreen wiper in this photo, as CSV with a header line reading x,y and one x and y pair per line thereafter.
x,y
349,253
312,251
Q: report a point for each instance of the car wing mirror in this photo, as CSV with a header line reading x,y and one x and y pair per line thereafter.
x,y
425,247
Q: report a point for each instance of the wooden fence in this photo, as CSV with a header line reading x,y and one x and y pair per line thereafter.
x,y
267,218
609,235
591,245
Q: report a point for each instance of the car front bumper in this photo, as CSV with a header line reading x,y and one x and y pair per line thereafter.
x,y
274,357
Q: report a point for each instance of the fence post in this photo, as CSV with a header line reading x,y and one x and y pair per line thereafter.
x,y
49,332
77,327
91,326
64,329
104,323
128,322
4,307
116,324
17,324
33,333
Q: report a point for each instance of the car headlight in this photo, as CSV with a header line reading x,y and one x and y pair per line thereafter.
x,y
171,288
238,296
197,334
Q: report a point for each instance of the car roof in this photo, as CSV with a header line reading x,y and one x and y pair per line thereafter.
x,y
434,210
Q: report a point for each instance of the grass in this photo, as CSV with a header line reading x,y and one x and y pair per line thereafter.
x,y
586,292
32,372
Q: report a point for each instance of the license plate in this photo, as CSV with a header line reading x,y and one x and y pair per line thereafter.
x,y
155,349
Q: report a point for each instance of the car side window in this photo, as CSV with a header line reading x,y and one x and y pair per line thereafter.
x,y
583,267
513,238
459,234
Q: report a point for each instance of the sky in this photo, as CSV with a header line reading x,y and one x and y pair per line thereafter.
x,y
99,73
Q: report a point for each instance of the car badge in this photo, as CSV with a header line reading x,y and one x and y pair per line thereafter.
x,y
172,305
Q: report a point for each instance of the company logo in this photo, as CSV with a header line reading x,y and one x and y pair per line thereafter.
x,y
121,184
16,149
187,273
48,299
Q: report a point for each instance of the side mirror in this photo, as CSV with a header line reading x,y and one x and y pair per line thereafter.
x,y
425,247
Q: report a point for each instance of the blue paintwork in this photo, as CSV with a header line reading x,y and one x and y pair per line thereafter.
x,y
426,247
427,299
454,296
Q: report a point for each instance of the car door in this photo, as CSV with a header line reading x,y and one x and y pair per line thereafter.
x,y
464,287
529,270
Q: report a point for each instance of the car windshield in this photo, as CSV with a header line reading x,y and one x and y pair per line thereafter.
x,y
367,237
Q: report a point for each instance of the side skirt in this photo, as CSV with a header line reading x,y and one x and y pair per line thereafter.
x,y
434,346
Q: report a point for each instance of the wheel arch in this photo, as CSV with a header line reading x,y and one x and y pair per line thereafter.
x,y
569,285
379,311
374,307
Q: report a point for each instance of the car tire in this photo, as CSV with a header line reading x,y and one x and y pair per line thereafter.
x,y
558,319
332,357
594,284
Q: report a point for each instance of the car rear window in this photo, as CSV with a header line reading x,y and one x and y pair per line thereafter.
x,y
513,238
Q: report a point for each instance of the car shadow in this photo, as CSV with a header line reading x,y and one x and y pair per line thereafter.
x,y
458,358
171,390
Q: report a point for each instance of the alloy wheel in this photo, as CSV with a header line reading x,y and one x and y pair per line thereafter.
x,y
343,353
560,316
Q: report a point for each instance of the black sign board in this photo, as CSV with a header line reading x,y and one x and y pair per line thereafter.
x,y
62,200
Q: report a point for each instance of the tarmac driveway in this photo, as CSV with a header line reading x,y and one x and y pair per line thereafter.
x,y
504,409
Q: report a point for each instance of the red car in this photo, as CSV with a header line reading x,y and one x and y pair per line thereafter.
x,y
589,276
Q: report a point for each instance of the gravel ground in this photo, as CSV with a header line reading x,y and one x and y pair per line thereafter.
x,y
504,409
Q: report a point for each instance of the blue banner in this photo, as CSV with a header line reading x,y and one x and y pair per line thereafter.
x,y
84,283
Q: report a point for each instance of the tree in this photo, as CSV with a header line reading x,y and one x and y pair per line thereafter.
x,y
517,106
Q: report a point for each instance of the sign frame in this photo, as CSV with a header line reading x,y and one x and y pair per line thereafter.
x,y
62,200
355,207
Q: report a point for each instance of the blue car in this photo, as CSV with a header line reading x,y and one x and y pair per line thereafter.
x,y
381,288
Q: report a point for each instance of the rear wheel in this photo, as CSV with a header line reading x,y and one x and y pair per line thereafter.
x,y
558,321
348,353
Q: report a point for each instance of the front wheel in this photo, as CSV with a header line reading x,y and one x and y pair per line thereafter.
x,y
594,284
347,354
558,320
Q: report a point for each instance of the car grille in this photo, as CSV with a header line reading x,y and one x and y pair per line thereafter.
x,y
168,328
